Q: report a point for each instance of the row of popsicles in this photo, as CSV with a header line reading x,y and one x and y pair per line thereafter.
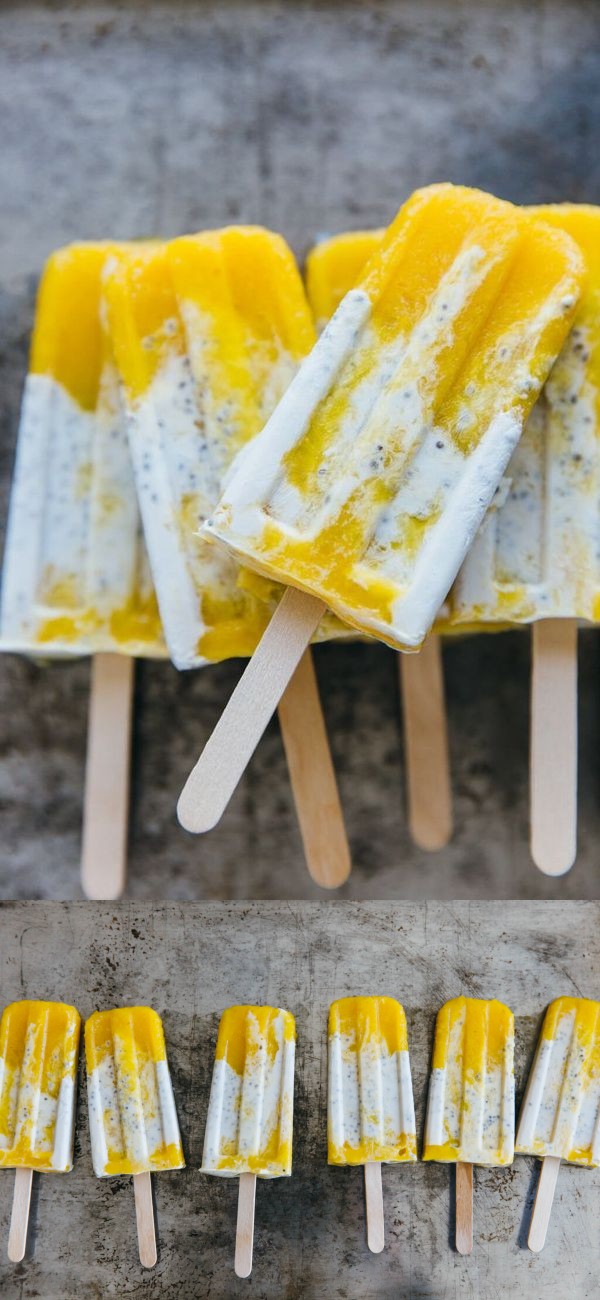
x,y
371,1117
153,369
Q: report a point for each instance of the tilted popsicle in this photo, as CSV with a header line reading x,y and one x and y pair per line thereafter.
x,y
208,331
333,267
370,1108
133,1120
39,1044
560,1115
536,558
249,1125
76,578
369,481
471,1102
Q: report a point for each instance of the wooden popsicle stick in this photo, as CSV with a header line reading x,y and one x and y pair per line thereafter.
x,y
553,752
244,1234
543,1203
228,751
144,1214
426,745
374,1201
108,763
19,1219
313,778
464,1208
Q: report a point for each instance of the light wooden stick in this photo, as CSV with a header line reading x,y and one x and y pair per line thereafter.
x,y
553,754
426,746
374,1201
244,1235
106,800
464,1208
19,1219
543,1203
144,1214
228,751
313,778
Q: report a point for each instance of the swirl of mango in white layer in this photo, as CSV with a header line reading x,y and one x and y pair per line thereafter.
x,y
208,331
370,1111
470,1107
76,578
249,1125
560,1115
133,1122
429,366
39,1044
538,552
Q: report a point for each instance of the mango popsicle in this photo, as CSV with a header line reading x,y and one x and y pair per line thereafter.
x,y
133,1120
208,331
333,267
535,559
249,1125
370,1108
471,1102
560,1115
369,481
39,1044
76,578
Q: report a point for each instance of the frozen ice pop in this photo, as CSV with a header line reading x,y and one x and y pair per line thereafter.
x,y
535,559
370,1109
471,1102
76,578
250,1113
333,267
560,1115
208,331
370,479
39,1044
133,1121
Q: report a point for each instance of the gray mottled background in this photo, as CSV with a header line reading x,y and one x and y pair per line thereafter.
x,y
159,118
190,962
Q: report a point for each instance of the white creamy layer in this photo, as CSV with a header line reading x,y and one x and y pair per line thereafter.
x,y
131,1119
476,1115
39,1121
370,1097
540,544
433,479
561,1107
245,1111
74,543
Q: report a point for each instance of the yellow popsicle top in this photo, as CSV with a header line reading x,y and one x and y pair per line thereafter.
x,y
66,343
488,1027
138,1029
361,1020
238,1048
587,1022
334,266
39,1043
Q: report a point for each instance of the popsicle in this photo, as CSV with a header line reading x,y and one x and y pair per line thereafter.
x,y
39,1043
370,479
333,267
370,1109
133,1120
560,1115
76,578
535,559
471,1102
251,1108
208,331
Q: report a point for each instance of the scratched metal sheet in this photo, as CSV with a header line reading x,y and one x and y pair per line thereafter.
x,y
128,119
190,961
